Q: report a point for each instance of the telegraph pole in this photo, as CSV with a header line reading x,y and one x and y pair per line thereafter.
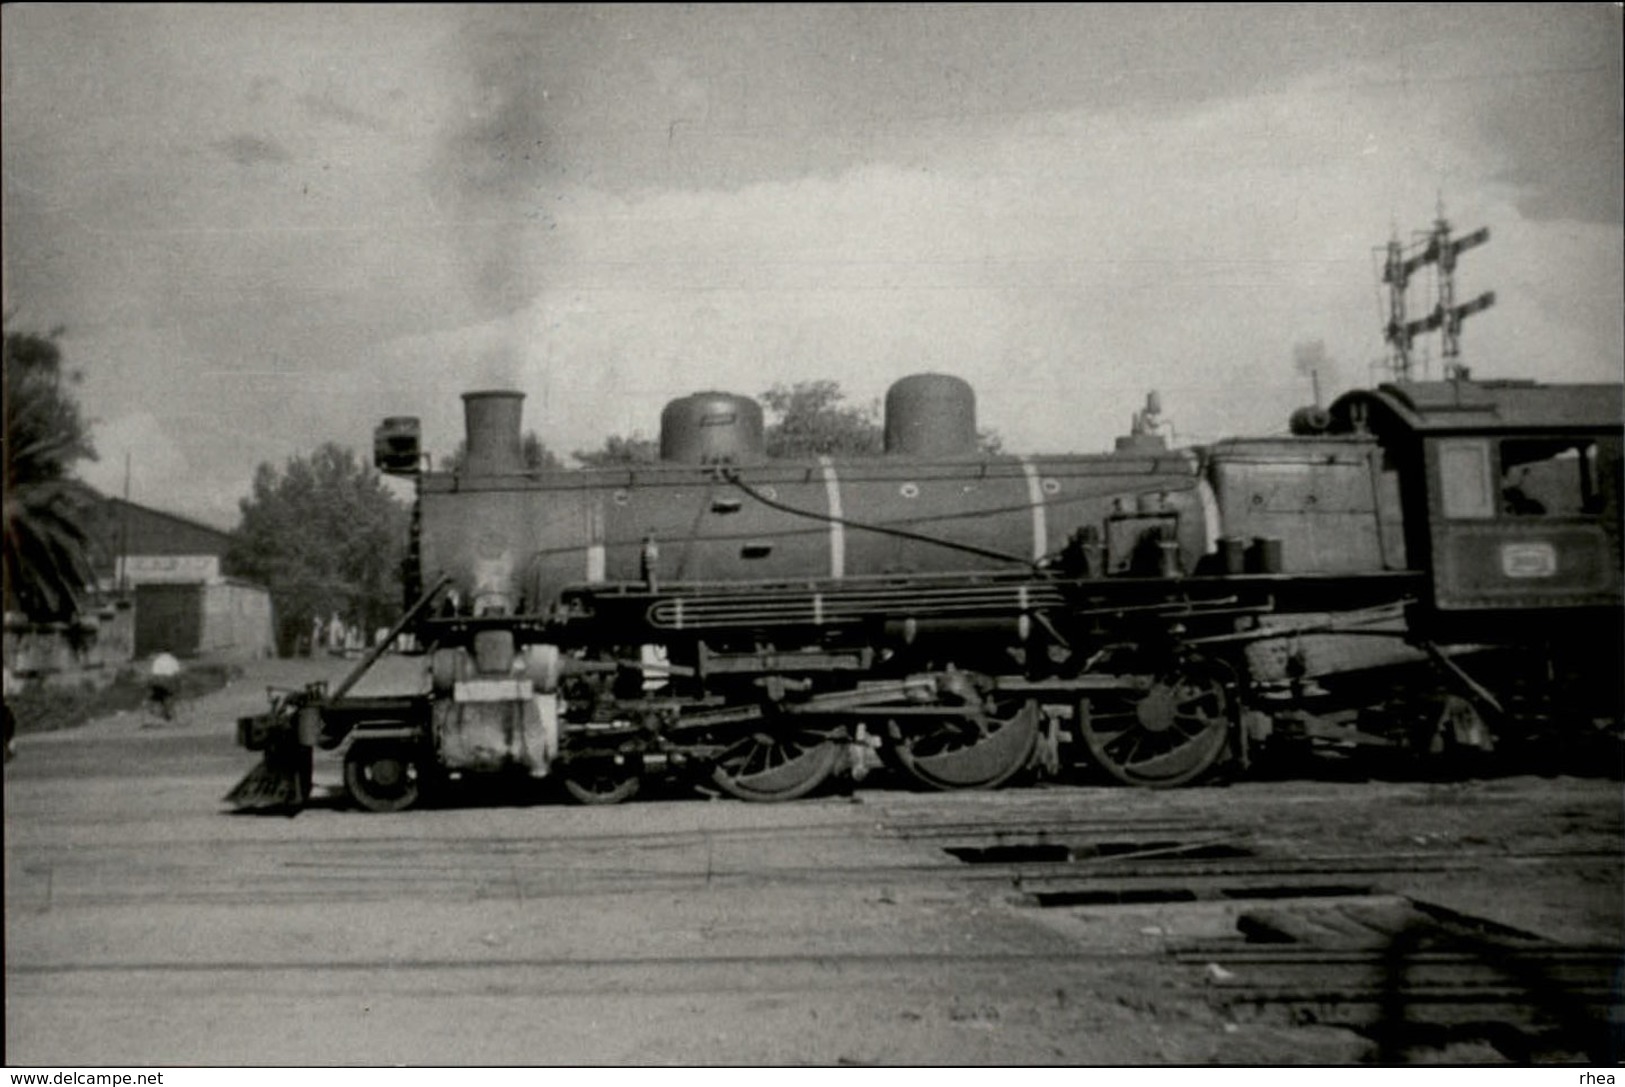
x,y
124,535
1439,249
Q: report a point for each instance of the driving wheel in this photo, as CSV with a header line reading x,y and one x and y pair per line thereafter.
x,y
969,751
602,780
773,766
1170,734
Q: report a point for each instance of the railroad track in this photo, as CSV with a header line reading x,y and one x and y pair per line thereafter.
x,y
1324,939
1411,976
1240,910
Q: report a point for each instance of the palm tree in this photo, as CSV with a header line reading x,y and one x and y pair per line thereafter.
x,y
47,569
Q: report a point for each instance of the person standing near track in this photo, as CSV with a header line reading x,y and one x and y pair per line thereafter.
x,y
162,680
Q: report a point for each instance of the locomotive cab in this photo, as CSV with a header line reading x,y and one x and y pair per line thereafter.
x,y
1513,508
1513,497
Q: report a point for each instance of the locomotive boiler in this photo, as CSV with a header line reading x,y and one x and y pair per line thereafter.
x,y
1432,565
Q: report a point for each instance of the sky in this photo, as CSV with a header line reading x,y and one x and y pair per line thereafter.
x,y
266,227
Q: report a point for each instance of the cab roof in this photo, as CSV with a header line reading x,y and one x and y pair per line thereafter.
x,y
1438,407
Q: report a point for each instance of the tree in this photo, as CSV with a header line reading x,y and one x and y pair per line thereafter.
x,y
326,536
537,457
47,567
808,419
617,451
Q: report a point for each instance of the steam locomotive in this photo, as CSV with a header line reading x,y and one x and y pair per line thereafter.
x,y
1429,565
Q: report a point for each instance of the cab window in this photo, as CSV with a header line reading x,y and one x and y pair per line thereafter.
x,y
1464,480
1549,478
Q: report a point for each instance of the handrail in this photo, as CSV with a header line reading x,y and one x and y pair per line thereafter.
x,y
388,640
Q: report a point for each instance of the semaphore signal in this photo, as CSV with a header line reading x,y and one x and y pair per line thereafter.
x,y
1402,262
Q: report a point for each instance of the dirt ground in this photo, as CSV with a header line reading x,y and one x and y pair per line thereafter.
x,y
146,924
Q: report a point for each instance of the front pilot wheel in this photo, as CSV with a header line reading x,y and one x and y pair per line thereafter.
x,y
383,776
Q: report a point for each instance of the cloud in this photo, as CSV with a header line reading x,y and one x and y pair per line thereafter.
x,y
160,473
1554,107
612,207
252,150
327,108
1064,265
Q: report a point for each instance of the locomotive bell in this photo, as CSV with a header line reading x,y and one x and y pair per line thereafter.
x,y
491,419
712,428
930,415
1308,422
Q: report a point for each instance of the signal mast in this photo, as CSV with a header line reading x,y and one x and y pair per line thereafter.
x,y
1436,247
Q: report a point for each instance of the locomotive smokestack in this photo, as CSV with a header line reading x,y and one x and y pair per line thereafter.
x,y
492,421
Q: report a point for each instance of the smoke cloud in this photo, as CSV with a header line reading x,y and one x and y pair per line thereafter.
x,y
493,174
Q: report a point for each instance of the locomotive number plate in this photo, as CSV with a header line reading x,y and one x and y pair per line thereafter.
x,y
1533,559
